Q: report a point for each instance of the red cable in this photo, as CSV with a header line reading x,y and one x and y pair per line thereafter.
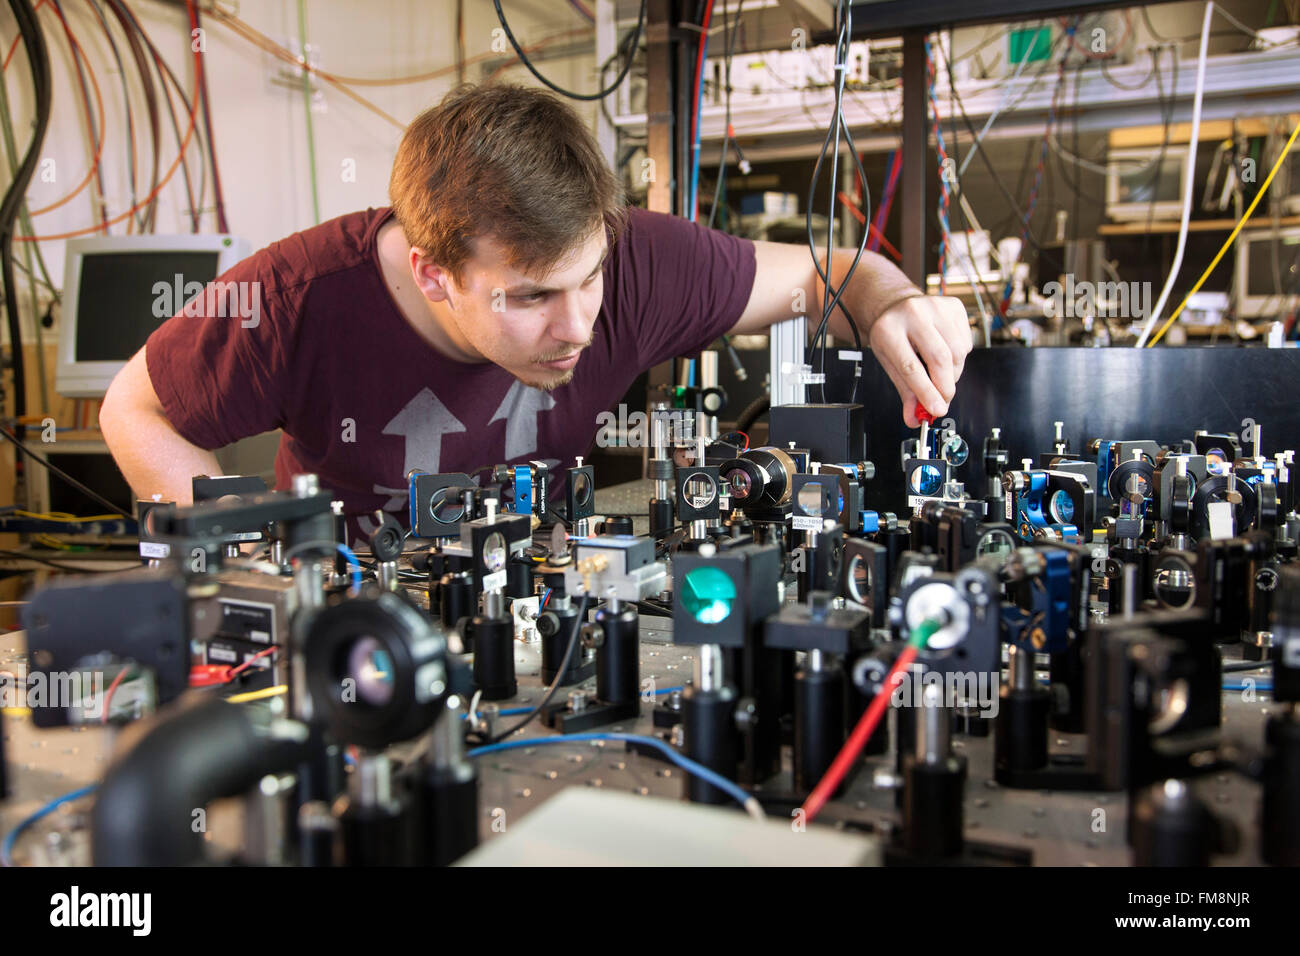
x,y
185,142
208,675
95,134
871,229
235,671
14,46
852,748
202,81
852,207
1128,28
891,189
108,695
886,244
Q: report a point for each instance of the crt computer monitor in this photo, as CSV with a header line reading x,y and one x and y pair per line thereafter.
x,y
87,460
1267,283
1141,184
111,294
1287,186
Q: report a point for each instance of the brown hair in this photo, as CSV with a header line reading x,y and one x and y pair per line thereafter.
x,y
512,163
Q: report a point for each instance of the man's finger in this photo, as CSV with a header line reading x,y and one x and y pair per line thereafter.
x,y
905,392
956,329
937,354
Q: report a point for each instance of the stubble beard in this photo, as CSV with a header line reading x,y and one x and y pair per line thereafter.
x,y
561,378
549,385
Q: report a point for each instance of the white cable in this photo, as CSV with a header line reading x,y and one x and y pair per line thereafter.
x,y
1188,183
1130,167
985,318
967,263
473,708
1245,29
1006,98
248,564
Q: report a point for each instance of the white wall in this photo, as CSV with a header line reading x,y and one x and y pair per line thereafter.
x,y
259,121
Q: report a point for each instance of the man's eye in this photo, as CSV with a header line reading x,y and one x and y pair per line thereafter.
x,y
531,298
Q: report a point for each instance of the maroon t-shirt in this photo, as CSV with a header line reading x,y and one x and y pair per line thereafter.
x,y
362,399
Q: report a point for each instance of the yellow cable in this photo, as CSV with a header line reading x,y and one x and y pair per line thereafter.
x,y
275,691
1233,235
63,516
235,699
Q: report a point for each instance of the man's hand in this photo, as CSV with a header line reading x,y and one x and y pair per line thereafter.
x,y
922,344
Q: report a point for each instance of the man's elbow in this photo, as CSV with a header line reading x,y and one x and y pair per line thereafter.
x,y
115,409
129,401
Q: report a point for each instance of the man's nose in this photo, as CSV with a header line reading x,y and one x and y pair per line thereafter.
x,y
570,322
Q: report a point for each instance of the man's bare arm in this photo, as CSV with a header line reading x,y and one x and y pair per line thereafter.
x,y
153,457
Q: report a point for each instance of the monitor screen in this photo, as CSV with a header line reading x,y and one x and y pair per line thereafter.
x,y
1158,182
1273,265
116,296
95,470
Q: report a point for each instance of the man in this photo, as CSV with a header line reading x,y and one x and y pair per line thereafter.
x,y
490,316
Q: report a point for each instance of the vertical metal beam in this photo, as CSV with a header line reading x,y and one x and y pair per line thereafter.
x,y
848,238
659,104
786,343
662,89
606,41
685,99
915,155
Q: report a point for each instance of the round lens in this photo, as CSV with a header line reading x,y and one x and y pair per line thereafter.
x,y
370,667
581,488
740,484
1216,462
956,451
926,480
1063,507
859,580
996,541
1175,586
810,499
708,595
700,491
445,507
1136,484
494,552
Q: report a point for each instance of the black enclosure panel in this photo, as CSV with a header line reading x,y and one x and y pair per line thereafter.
x,y
889,17
1162,394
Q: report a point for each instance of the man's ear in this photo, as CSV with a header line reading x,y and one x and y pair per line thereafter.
x,y
435,282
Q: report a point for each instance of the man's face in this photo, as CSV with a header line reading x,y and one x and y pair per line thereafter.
x,y
533,326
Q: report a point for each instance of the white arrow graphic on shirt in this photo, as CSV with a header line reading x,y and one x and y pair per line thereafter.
x,y
520,409
423,422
